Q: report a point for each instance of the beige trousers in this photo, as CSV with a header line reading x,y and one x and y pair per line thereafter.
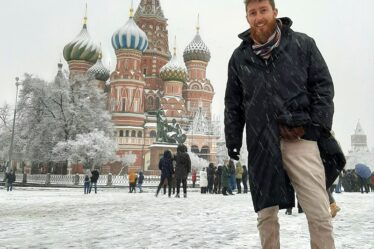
x,y
303,164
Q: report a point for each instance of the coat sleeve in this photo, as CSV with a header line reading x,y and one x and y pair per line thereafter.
x,y
321,89
234,112
188,164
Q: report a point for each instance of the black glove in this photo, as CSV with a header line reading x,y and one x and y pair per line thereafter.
x,y
233,153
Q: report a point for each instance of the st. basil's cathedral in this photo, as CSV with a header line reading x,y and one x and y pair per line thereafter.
x,y
148,77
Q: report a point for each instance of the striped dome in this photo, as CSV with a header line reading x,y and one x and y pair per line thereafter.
x,y
173,70
82,48
196,50
130,36
99,71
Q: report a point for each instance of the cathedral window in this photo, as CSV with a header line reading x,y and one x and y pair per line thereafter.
x,y
126,65
140,134
121,133
127,133
152,134
123,105
133,134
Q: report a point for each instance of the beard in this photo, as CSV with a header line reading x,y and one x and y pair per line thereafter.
x,y
262,34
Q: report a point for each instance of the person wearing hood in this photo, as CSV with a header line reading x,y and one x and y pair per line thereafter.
x,y
166,166
279,88
182,168
140,181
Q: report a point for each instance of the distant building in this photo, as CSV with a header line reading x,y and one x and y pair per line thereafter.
x,y
359,152
148,77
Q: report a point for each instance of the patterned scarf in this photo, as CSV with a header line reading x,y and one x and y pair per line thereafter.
x,y
264,50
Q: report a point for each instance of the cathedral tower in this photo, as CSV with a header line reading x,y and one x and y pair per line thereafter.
x,y
359,140
199,91
127,89
81,53
174,75
150,18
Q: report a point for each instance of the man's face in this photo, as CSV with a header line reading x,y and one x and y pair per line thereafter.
x,y
262,20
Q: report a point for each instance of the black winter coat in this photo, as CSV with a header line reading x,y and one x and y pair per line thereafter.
x,y
95,175
183,165
166,165
293,88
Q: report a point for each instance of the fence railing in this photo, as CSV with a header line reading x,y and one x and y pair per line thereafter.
x,y
78,179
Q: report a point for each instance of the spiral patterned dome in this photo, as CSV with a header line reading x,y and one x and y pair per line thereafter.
x,y
99,71
173,70
130,36
82,48
196,50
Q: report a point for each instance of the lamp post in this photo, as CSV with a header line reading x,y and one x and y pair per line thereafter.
x,y
14,124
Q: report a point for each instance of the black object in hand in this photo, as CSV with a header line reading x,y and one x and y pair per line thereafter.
x,y
234,153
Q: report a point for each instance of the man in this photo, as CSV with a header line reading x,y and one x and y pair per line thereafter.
x,y
279,86
182,168
10,178
94,177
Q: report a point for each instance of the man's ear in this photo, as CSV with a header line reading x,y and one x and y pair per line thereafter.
x,y
275,12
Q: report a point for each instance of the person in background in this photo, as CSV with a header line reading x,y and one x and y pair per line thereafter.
x,y
232,180
140,181
94,177
203,181
225,179
86,184
210,177
193,178
132,182
166,166
219,176
182,168
10,178
238,177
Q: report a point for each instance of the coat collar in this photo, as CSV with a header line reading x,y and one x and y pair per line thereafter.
x,y
248,42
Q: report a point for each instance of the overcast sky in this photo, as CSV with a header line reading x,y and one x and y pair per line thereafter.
x,y
35,32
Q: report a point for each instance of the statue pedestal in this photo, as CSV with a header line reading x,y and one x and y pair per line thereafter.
x,y
157,151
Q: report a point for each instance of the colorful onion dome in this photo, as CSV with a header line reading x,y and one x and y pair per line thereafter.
x,y
197,49
82,47
130,36
99,71
173,70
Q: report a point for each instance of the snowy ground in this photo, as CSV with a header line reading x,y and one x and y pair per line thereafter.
x,y
66,218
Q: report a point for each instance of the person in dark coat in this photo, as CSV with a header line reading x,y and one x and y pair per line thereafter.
x,y
232,181
218,180
166,167
225,180
210,176
86,184
182,168
94,178
140,181
10,178
279,87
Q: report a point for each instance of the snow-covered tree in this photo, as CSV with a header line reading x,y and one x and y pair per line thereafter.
x,y
49,113
197,162
91,149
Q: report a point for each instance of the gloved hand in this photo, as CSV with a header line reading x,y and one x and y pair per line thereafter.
x,y
234,153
